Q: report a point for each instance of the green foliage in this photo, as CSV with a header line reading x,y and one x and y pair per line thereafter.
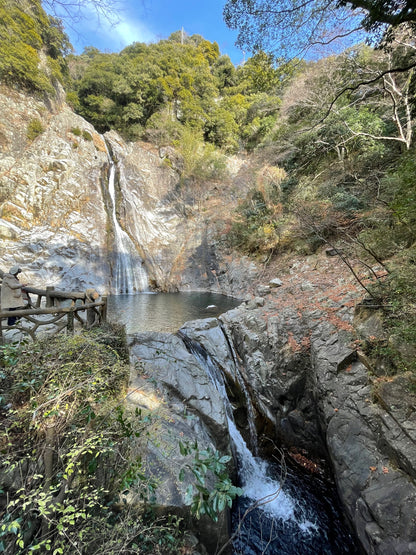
x,y
398,293
391,234
201,161
162,129
34,129
152,91
400,187
208,464
25,30
221,129
259,225
67,464
125,90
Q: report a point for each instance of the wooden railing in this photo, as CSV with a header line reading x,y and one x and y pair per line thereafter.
x,y
61,308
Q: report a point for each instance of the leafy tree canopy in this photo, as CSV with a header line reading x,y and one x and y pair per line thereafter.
x,y
152,91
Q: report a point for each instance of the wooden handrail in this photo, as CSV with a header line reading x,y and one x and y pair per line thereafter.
x,y
50,310
53,293
94,309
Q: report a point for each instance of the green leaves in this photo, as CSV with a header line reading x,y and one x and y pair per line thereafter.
x,y
22,35
67,455
213,491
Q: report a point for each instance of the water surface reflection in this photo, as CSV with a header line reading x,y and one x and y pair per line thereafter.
x,y
165,311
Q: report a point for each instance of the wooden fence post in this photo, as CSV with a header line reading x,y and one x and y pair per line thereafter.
x,y
91,313
70,322
49,299
103,310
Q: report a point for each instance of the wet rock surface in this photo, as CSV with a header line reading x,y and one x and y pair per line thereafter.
x,y
299,356
187,408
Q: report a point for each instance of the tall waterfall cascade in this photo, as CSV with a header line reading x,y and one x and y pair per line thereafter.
x,y
129,274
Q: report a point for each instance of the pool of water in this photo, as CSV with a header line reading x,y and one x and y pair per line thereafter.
x,y
165,311
313,523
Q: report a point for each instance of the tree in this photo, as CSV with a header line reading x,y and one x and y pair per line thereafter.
x,y
296,26
290,27
384,12
125,90
25,32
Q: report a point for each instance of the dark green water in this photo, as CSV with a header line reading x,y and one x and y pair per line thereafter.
x,y
165,311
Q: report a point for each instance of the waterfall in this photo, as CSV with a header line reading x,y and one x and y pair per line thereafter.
x,y
129,274
280,512
254,473
247,398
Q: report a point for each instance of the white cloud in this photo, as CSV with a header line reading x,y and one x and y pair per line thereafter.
x,y
111,34
126,32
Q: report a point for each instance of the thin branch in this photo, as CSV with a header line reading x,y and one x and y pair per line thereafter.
x,y
353,88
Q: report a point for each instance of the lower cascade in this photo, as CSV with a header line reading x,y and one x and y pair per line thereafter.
x,y
281,511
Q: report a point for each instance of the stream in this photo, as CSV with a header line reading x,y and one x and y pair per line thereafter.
x,y
283,511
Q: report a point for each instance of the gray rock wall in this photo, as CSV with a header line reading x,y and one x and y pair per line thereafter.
x,y
171,382
55,212
318,396
324,400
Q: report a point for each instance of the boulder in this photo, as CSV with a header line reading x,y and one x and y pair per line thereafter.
x,y
167,380
276,282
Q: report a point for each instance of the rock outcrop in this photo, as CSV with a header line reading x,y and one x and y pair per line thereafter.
x,y
308,382
56,213
187,408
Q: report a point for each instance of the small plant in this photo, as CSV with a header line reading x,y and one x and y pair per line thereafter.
x,y
34,129
86,135
207,464
76,131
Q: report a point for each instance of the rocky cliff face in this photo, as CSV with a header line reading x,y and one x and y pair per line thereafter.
x,y
295,349
56,213
52,214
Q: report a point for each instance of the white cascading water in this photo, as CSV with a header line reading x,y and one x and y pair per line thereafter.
x,y
254,472
129,275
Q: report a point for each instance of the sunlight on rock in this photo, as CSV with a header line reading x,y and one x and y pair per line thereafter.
x,y
143,398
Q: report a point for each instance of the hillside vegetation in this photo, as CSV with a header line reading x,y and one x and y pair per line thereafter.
x,y
32,46
330,142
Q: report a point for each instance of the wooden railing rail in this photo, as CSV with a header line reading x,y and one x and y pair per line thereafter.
x,y
61,316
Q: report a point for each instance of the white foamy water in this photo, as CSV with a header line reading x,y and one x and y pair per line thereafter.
x,y
129,275
258,485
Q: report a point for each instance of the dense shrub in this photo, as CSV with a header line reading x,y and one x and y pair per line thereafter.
x,y
25,30
65,451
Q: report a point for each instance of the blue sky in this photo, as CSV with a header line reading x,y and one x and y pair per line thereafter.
x,y
152,20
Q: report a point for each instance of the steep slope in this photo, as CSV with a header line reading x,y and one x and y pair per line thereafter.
x,y
56,210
